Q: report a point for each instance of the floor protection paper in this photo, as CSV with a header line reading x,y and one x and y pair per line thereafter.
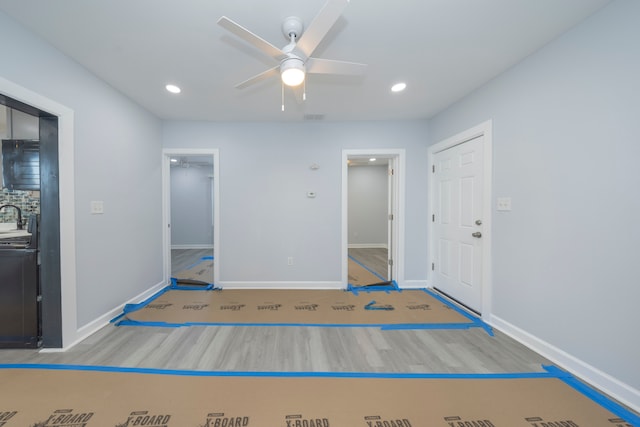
x,y
392,309
67,396
360,275
201,273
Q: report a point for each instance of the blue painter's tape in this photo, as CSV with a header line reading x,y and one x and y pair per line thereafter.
x,y
409,326
594,395
296,374
475,320
392,286
128,308
204,258
367,268
388,288
129,322
550,372
372,306
175,285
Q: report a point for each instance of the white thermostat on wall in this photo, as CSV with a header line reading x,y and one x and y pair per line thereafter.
x,y
311,194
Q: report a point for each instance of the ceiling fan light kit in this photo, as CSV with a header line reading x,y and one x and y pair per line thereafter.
x,y
295,59
292,71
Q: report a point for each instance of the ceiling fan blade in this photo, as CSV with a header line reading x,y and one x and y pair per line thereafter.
x,y
271,72
321,25
330,66
251,38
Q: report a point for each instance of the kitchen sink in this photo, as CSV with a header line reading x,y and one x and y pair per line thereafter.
x,y
21,242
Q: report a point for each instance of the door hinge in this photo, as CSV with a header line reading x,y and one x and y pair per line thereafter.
x,y
391,172
433,168
390,217
39,298
433,266
433,218
390,262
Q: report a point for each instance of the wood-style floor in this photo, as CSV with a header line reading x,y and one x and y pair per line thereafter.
x,y
181,259
236,348
375,259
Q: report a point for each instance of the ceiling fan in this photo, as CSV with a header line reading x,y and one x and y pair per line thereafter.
x,y
295,59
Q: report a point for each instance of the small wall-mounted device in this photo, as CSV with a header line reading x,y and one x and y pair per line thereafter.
x,y
503,204
97,207
311,194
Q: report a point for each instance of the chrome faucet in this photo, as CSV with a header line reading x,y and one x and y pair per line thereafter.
x,y
19,214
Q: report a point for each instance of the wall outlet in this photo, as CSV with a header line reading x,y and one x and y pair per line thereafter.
x,y
290,260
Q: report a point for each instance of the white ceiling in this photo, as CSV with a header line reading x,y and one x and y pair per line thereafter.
x,y
442,49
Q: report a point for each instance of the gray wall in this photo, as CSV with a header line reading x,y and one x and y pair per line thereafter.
x,y
117,160
566,141
368,205
191,207
265,216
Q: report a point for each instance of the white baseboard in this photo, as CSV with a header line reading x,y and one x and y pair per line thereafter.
x,y
413,284
99,323
367,246
279,285
192,247
604,382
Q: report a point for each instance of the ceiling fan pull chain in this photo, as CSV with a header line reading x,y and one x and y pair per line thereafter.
x,y
282,85
304,90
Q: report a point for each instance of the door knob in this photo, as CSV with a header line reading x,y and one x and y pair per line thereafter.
x,y
478,222
477,234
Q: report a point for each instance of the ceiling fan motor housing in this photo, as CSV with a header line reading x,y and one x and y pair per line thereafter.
x,y
292,25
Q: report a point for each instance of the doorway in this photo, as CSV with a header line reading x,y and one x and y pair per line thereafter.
x,y
190,200
29,173
460,223
372,217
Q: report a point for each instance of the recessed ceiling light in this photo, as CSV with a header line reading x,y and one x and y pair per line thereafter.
x,y
398,87
373,159
173,88
174,160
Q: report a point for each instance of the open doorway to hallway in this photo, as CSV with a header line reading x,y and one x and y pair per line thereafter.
x,y
372,216
191,206
368,205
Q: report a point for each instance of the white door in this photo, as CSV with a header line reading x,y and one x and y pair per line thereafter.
x,y
457,222
391,215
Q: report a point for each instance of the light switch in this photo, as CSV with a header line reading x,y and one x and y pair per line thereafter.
x,y
97,207
504,204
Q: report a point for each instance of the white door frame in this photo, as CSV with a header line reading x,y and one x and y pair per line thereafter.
x,y
398,209
66,182
167,153
485,130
